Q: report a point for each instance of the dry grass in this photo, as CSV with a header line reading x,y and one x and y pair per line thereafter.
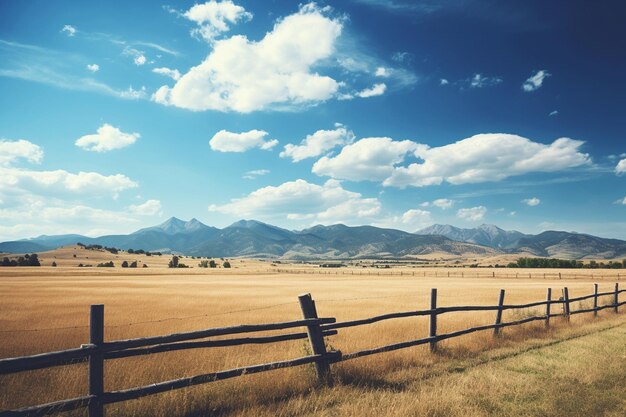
x,y
408,382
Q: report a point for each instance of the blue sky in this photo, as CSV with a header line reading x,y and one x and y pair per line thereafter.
x,y
118,115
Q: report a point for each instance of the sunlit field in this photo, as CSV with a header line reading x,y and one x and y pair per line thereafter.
x,y
45,309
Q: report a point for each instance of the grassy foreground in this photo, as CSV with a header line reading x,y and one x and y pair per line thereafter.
x,y
582,374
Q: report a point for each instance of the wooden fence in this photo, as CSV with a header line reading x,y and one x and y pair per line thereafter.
x,y
98,350
461,273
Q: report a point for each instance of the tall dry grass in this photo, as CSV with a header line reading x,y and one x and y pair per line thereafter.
x,y
52,300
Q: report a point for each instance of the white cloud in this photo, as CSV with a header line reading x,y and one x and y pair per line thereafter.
x,y
442,203
410,221
60,180
251,175
534,82
382,72
106,139
480,81
620,168
443,81
624,201
243,76
553,113
93,67
214,17
225,141
370,159
149,208
133,94
375,90
472,214
69,29
12,150
34,216
172,73
300,200
532,201
139,60
138,56
480,158
317,144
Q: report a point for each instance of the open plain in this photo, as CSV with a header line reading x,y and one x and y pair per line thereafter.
x,y
45,309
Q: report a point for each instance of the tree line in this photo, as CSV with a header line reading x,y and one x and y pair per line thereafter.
x,y
564,263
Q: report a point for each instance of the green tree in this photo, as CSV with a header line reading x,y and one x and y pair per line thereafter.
x,y
133,264
174,262
212,264
124,264
226,264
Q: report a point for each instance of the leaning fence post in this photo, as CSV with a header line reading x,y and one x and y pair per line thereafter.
x,y
316,338
616,298
549,302
433,319
96,360
496,330
566,303
595,300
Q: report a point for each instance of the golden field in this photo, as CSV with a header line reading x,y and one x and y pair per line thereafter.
x,y
529,371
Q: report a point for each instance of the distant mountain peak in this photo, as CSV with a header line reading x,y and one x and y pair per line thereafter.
x,y
174,225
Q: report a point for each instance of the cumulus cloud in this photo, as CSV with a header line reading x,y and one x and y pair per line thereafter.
x,y
138,56
225,141
553,113
382,72
93,67
375,90
12,150
370,159
214,18
472,214
480,81
174,74
34,215
480,158
60,180
243,76
251,175
15,180
140,60
532,201
442,203
69,30
300,200
149,208
106,139
535,81
444,81
620,168
317,144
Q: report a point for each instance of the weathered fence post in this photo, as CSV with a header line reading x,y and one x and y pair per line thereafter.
x,y
96,360
433,319
616,298
316,338
496,331
595,300
549,300
566,303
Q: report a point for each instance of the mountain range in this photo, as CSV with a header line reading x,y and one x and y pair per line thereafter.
x,y
251,238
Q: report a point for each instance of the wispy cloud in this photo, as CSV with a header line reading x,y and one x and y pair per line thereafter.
x,y
59,69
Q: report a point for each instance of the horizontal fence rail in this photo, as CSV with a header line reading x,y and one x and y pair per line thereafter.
x,y
317,329
480,272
